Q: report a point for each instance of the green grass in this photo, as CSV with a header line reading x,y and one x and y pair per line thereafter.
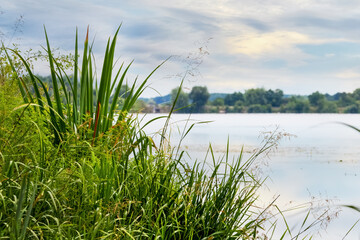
x,y
69,169
122,187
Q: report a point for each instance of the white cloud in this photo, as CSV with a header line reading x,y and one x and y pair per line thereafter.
x,y
279,44
349,74
259,44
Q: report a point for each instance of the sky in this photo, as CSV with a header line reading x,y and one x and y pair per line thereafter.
x,y
299,46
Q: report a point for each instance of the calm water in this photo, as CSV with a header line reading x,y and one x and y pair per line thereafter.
x,y
319,166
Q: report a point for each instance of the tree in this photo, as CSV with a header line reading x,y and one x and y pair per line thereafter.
x,y
316,98
336,96
139,106
255,96
257,108
346,99
274,97
327,107
356,94
231,99
296,105
219,102
199,96
238,106
352,109
182,101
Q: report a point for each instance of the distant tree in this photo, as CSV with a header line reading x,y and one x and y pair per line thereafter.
x,y
139,106
296,105
182,102
329,97
238,106
257,108
199,96
327,107
352,109
346,99
255,96
218,102
316,98
274,97
231,99
356,94
336,96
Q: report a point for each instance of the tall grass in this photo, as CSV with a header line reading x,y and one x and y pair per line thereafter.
x,y
70,170
122,189
77,105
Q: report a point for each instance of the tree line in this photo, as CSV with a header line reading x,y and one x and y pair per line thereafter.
x,y
260,100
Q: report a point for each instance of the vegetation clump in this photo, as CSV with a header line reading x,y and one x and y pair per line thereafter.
x,y
74,166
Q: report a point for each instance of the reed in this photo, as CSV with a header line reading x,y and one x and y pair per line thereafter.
x,y
77,105
125,188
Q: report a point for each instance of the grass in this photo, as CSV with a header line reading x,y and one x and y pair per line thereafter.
x,y
69,169
121,188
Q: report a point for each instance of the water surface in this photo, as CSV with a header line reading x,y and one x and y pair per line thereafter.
x,y
316,163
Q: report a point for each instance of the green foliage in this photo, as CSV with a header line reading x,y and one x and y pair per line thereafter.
x,y
346,100
181,100
214,96
321,104
255,96
122,187
327,107
316,98
257,108
219,102
352,109
9,96
236,102
262,97
231,99
71,109
13,78
296,105
274,98
356,94
139,106
199,96
239,106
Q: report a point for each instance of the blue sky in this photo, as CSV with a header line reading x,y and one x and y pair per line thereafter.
x,y
299,46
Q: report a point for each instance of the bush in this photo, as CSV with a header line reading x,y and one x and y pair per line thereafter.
x,y
257,108
352,109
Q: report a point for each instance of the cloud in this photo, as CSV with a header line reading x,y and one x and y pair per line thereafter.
x,y
274,43
196,20
349,74
342,24
294,48
256,24
149,30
